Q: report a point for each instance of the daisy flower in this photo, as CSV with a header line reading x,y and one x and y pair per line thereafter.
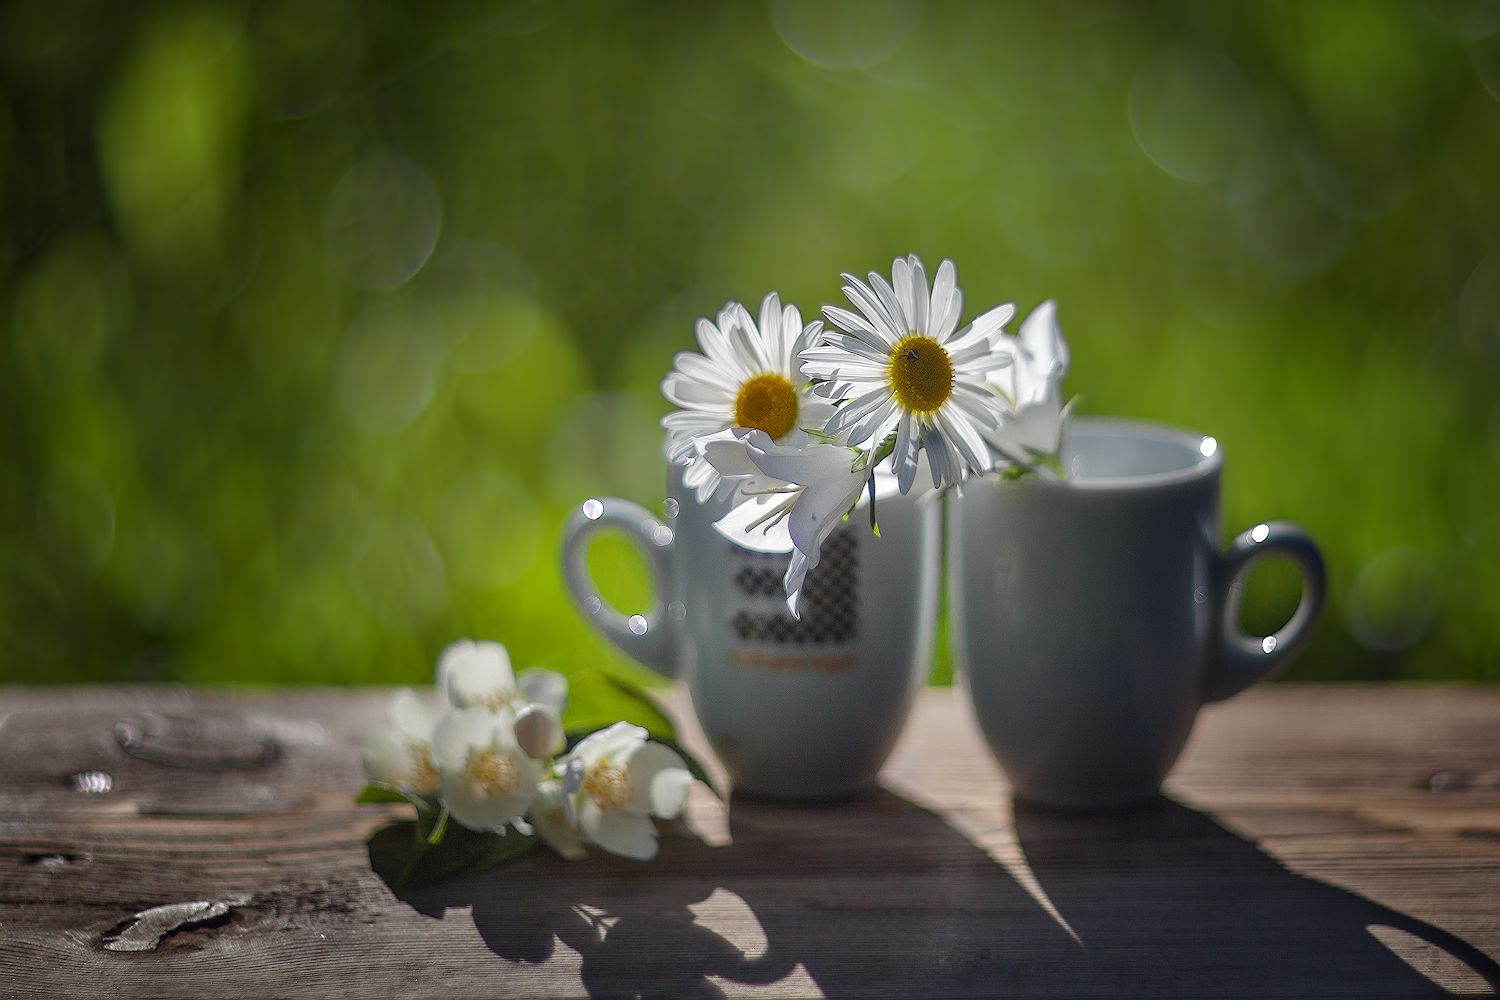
x,y
746,377
903,365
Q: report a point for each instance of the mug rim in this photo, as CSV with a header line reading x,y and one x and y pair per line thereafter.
x,y
1208,465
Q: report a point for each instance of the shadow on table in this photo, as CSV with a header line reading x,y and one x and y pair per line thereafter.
x,y
1169,902
878,897
868,897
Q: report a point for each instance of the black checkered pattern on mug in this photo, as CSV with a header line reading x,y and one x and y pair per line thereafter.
x,y
830,596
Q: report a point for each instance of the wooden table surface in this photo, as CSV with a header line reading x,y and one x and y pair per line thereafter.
x,y
1314,841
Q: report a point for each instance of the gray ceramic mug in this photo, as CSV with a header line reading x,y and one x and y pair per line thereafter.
x,y
798,709
1092,618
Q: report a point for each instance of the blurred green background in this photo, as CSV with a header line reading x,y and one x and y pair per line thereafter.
x,y
319,316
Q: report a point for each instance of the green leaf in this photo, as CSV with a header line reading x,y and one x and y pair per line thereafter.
x,y
462,852
379,791
597,700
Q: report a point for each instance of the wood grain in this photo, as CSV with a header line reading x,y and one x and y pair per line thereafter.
x,y
1315,841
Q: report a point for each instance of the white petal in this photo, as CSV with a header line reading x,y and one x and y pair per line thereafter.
x,y
654,786
551,821
387,757
856,421
796,573
684,390
882,288
607,744
820,509
415,716
749,346
904,458
993,321
770,332
920,311
772,536
878,356
887,328
477,673
628,834
478,811
947,303
811,336
463,729
860,327
942,461
960,431
715,343
815,414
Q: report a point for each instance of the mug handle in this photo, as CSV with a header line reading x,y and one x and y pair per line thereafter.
x,y
646,637
1244,659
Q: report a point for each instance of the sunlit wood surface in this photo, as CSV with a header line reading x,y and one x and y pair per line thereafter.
x,y
1315,841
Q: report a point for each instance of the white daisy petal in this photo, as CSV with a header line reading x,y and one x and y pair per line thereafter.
x,y
965,438
854,345
810,337
714,343
682,390
947,303
901,322
904,458
920,310
857,421
861,327
887,327
699,368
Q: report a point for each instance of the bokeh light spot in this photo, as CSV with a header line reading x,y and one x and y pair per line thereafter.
x,y
1194,113
1394,600
382,221
845,34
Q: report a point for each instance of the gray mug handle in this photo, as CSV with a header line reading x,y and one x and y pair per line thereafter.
x,y
1244,659
646,638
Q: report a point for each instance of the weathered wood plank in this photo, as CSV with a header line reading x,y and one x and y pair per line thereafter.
x,y
1298,818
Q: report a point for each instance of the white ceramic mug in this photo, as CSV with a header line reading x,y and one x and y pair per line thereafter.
x,y
799,709
1092,618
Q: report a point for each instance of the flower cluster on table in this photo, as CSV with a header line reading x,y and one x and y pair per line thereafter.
x,y
488,753
795,422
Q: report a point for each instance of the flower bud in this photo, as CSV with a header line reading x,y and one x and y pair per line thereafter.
x,y
539,731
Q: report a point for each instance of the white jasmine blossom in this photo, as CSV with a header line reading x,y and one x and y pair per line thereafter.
x,y
400,753
623,780
486,777
549,814
1031,425
823,483
748,377
473,674
903,365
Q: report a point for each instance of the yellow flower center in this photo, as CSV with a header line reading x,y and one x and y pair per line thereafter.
x,y
492,700
493,771
921,374
767,403
424,775
609,786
